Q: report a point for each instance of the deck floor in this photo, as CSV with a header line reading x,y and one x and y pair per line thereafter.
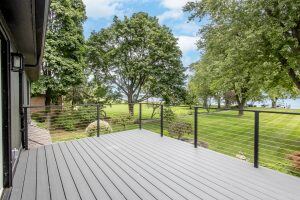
x,y
139,164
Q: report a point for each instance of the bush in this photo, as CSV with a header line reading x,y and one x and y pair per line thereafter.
x,y
169,115
65,121
92,128
123,120
39,116
178,129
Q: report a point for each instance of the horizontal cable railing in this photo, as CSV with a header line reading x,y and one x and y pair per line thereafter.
x,y
262,137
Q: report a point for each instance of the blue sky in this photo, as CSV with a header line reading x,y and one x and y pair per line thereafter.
x,y
169,12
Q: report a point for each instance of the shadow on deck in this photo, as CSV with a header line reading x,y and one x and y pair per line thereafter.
x,y
139,164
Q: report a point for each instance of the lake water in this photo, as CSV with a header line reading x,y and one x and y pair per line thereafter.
x,y
292,103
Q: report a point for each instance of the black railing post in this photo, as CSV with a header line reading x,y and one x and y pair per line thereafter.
x,y
161,120
196,127
140,116
98,120
25,128
256,138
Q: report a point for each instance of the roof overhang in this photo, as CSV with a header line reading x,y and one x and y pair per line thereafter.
x,y
27,21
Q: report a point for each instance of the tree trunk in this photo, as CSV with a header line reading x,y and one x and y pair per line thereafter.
x,y
241,104
48,97
219,102
227,103
274,102
205,103
131,109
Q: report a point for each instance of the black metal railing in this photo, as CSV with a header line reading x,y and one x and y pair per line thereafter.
x,y
63,123
262,137
275,147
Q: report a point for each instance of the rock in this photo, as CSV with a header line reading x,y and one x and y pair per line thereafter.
x,y
91,129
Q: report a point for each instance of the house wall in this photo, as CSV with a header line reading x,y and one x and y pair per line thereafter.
x,y
15,107
15,121
15,112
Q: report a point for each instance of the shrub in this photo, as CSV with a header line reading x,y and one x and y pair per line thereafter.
x,y
123,120
178,129
39,116
169,115
65,121
91,130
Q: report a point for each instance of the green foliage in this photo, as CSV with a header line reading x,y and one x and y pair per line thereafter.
x,y
64,49
123,120
138,56
65,121
250,45
178,129
169,115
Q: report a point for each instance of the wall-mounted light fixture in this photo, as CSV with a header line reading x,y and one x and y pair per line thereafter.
x,y
17,62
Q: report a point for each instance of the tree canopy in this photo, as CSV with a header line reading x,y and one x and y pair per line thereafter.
x,y
252,46
64,50
138,56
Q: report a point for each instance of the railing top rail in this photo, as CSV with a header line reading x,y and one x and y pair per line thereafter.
x,y
59,106
247,110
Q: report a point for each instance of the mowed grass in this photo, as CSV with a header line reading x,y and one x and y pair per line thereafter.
x,y
224,132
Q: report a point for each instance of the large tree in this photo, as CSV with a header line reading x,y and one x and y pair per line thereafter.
x,y
64,50
254,44
274,26
139,56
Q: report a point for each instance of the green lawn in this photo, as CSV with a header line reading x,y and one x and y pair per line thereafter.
x,y
224,132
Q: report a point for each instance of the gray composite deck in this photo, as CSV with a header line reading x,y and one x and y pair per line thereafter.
x,y
139,164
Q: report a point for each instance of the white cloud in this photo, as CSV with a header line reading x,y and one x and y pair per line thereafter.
x,y
102,8
175,9
174,4
187,28
170,14
187,43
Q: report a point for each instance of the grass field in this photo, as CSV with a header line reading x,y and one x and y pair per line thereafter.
x,y
224,132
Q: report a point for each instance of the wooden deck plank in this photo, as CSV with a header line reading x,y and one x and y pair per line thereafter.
x,y
91,179
124,175
194,156
138,177
103,178
183,183
114,177
190,174
175,188
154,180
55,184
191,178
139,164
77,175
29,188
233,163
19,177
258,189
70,189
42,186
181,166
262,177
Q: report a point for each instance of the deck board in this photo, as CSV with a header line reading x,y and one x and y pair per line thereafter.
x,y
139,164
55,184
29,187
70,189
19,177
42,185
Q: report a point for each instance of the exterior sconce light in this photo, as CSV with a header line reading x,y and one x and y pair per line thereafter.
x,y
17,62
